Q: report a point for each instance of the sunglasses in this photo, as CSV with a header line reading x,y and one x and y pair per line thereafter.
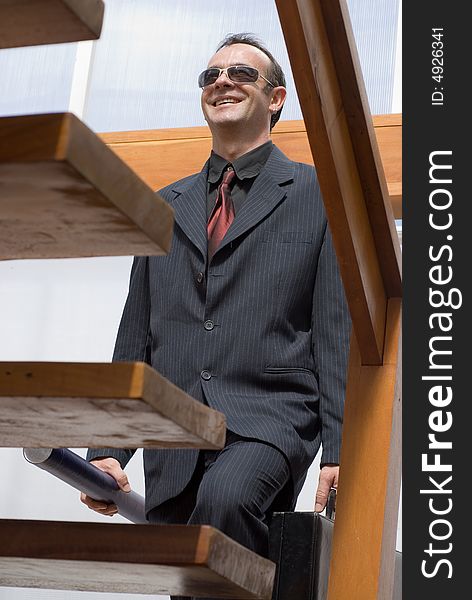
x,y
238,74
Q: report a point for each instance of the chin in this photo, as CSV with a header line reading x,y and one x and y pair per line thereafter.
x,y
230,118
214,123
233,115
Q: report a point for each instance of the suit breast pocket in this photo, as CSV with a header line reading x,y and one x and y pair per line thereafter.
x,y
290,259
287,237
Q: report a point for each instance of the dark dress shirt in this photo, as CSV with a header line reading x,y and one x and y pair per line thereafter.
x,y
247,167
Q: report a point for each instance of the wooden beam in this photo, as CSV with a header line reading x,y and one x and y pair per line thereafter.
x,y
363,555
187,560
116,405
33,22
162,156
66,194
339,126
365,149
388,132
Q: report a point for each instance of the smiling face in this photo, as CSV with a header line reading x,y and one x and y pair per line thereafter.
x,y
241,106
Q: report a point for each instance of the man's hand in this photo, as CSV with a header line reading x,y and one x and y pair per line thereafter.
x,y
113,468
329,476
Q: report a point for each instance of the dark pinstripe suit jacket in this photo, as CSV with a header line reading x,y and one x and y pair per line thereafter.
x,y
278,351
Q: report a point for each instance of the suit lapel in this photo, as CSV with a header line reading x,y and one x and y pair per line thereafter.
x,y
264,196
190,202
190,209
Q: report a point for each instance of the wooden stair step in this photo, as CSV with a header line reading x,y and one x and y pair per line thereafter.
x,y
116,405
188,560
34,22
66,194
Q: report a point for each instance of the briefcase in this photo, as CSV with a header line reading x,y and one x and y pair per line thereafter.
x,y
300,544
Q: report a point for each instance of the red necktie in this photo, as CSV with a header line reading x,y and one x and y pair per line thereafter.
x,y
222,215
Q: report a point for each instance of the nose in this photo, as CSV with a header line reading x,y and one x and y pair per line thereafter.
x,y
223,79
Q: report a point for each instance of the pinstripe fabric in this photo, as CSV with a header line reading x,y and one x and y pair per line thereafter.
x,y
238,502
235,501
275,360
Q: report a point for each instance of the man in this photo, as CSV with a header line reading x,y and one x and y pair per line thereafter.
x,y
251,321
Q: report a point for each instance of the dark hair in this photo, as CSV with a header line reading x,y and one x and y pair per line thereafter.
x,y
275,74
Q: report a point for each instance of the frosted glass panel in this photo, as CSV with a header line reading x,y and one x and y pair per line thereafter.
x,y
150,53
36,79
375,29
148,59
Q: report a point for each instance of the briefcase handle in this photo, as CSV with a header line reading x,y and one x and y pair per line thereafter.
x,y
331,504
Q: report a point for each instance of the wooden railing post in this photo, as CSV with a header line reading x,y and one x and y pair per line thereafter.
x,y
330,88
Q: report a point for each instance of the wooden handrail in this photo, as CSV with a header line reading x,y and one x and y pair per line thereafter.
x,y
162,156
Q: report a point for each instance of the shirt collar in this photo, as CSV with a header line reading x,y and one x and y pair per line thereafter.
x,y
247,165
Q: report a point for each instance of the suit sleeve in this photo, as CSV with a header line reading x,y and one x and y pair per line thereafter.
x,y
133,341
331,327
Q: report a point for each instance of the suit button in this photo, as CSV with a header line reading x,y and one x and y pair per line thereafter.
x,y
208,325
200,277
206,375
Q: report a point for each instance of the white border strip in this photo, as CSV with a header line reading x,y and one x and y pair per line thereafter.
x,y
80,78
397,79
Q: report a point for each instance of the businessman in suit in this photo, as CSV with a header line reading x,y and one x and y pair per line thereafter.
x,y
247,314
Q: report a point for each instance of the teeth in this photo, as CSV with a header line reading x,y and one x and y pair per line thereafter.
x,y
225,101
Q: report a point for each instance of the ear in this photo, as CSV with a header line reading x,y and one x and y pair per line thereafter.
x,y
277,98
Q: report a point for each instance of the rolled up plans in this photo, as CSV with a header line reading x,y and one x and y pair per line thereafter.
x,y
86,477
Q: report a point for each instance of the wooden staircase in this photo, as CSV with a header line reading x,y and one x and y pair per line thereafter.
x,y
65,193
